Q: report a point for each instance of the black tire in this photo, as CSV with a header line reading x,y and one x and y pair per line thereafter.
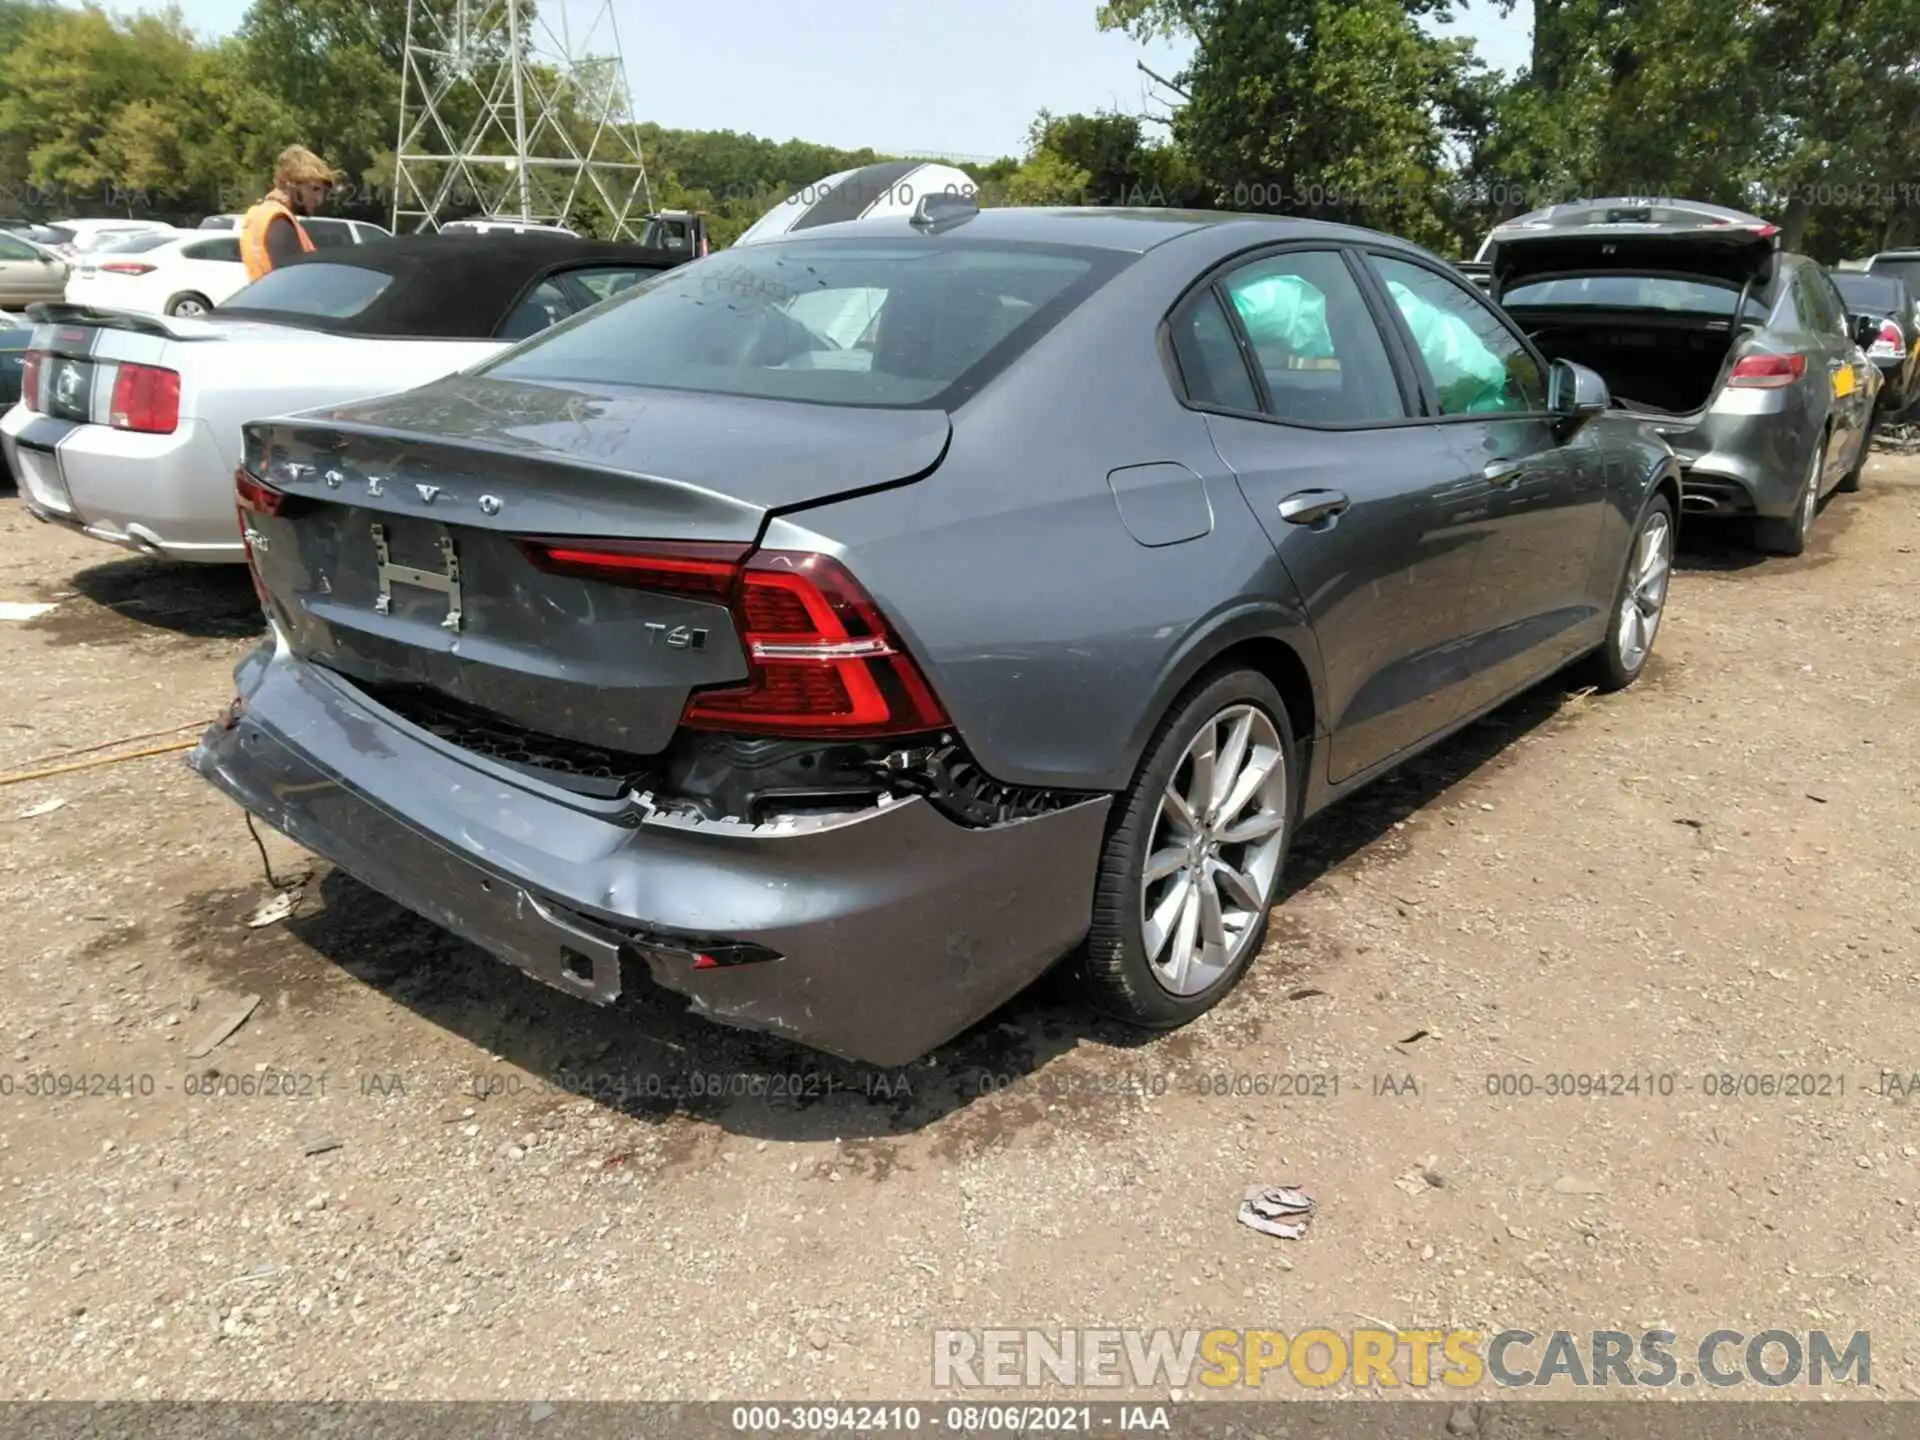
x,y
1610,668
1788,535
173,305
1119,977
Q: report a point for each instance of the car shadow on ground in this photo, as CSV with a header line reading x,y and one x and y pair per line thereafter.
x,y
202,602
1716,544
650,1057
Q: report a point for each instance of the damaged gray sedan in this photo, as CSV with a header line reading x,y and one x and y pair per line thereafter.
x,y
844,630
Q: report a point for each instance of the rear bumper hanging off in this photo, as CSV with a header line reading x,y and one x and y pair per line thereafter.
x,y
874,936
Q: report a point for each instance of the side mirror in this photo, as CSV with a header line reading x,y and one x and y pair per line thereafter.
x,y
1576,394
1866,330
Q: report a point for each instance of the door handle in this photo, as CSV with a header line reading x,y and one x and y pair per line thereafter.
x,y
1309,507
1503,472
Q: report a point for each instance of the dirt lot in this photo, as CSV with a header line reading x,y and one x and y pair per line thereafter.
x,y
1712,873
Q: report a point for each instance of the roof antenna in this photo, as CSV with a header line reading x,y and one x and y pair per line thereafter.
x,y
937,211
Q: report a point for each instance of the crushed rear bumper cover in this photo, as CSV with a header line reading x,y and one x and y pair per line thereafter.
x,y
896,928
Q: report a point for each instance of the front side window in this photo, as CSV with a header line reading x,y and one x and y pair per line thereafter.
x,y
1319,353
325,291
1476,365
12,249
845,322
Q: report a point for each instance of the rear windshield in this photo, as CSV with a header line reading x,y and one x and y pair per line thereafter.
x,y
1901,269
133,244
327,291
1882,293
841,322
1632,292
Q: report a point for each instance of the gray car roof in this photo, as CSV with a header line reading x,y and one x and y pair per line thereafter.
x,y
1103,228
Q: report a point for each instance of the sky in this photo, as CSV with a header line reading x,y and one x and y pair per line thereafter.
x,y
958,77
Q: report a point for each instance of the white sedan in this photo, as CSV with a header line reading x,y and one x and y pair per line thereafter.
x,y
128,425
183,273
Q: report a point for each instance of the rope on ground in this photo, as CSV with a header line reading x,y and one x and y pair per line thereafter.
x,y
21,777
60,755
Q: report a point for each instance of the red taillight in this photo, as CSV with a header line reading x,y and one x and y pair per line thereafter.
x,y
1767,372
30,379
145,398
1890,335
125,267
700,572
250,494
821,658
257,495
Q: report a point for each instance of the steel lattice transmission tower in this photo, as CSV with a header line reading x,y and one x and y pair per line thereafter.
x,y
505,111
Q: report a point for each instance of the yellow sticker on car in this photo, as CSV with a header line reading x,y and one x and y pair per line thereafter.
x,y
1843,382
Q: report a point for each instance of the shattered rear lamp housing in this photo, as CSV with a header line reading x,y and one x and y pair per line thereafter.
x,y
821,659
253,496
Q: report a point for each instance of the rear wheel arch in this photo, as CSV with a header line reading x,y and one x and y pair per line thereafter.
x,y
1668,484
1286,657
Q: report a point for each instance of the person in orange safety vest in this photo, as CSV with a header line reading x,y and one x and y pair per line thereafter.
x,y
270,233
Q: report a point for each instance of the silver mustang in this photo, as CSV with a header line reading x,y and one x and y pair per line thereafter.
x,y
128,427
846,628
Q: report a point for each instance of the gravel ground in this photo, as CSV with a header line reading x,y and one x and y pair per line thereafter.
x,y
1711,873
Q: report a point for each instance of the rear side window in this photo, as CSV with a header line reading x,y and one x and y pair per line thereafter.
x,y
335,292
1209,356
213,250
546,304
843,322
12,249
607,281
1320,356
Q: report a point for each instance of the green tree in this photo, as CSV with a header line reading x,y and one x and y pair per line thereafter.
x,y
335,65
1326,107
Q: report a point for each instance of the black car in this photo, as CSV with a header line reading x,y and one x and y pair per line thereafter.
x,y
1887,302
1898,265
14,334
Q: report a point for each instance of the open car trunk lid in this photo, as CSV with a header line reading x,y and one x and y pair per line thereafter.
x,y
1633,240
397,558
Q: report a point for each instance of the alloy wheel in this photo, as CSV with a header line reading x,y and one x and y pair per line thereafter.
x,y
1646,597
1213,854
191,309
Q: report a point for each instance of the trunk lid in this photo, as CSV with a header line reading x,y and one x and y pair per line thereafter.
x,y
85,347
86,344
395,561
1616,237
